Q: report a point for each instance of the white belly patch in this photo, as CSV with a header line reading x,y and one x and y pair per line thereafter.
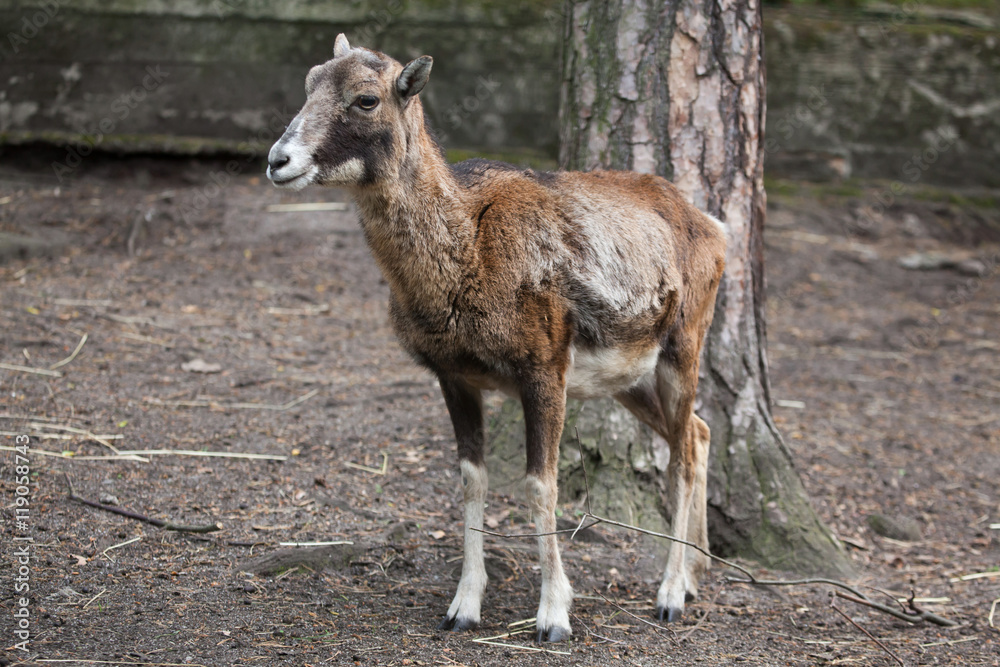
x,y
605,372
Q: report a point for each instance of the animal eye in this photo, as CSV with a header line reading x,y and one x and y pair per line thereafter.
x,y
367,102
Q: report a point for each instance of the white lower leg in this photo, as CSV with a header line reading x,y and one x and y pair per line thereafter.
x,y
670,598
552,619
465,608
697,562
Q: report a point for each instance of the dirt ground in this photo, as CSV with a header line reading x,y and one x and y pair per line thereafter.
x,y
213,324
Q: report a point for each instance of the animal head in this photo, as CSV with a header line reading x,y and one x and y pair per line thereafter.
x,y
360,111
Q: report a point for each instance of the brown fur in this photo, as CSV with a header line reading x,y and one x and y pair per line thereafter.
x,y
508,278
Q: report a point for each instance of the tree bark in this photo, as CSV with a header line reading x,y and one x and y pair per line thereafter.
x,y
676,88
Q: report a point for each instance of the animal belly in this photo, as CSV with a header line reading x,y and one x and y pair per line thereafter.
x,y
489,383
605,372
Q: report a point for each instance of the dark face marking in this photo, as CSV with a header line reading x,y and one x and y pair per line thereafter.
x,y
350,114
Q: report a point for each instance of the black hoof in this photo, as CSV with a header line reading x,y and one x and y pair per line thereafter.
x,y
457,624
669,614
555,634
689,596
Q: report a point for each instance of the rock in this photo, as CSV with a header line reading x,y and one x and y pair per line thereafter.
x,y
332,557
899,528
18,246
926,261
971,267
201,366
936,261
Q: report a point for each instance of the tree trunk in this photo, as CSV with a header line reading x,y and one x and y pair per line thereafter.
x,y
676,88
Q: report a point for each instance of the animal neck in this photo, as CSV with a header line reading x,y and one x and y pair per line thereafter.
x,y
416,225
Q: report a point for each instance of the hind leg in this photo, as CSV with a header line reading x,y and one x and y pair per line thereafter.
x,y
665,404
675,390
697,562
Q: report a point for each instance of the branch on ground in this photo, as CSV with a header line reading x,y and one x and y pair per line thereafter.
x,y
911,614
166,525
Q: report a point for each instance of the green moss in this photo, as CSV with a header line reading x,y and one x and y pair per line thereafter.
x,y
946,4
780,187
135,143
938,28
791,537
860,4
933,194
840,189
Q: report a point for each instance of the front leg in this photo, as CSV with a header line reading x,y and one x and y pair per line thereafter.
x,y
544,408
466,411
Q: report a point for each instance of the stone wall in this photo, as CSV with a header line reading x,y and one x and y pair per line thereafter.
x,y
869,95
879,96
194,76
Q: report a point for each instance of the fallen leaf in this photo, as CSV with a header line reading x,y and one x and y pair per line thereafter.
x,y
494,520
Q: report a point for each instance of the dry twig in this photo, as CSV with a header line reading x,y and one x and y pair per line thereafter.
x,y
375,471
670,633
194,452
103,591
28,369
976,575
528,629
121,662
833,605
119,546
75,433
232,406
79,346
71,455
166,525
917,615
690,631
591,633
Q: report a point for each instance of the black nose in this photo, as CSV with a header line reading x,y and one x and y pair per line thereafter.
x,y
278,162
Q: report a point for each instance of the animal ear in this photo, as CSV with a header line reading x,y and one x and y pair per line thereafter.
x,y
413,77
341,46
